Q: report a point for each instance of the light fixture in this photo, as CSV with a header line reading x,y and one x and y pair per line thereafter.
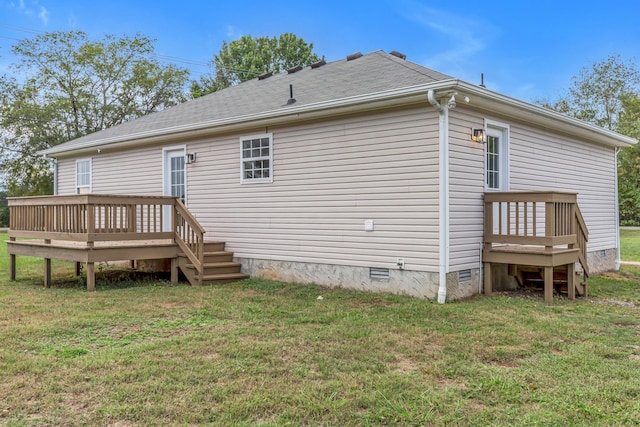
x,y
190,158
478,135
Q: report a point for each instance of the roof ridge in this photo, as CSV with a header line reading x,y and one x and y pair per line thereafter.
x,y
415,67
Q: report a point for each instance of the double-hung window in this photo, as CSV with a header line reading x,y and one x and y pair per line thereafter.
x,y
256,158
83,176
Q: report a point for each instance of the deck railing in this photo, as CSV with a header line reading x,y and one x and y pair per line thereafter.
x,y
94,218
189,236
535,219
91,217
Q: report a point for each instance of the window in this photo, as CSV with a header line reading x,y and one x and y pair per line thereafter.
x,y
493,162
256,158
497,156
83,176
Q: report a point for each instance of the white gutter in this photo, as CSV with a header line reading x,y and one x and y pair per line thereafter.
x,y
615,159
444,194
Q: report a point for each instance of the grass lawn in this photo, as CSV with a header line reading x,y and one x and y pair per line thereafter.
x,y
266,353
630,245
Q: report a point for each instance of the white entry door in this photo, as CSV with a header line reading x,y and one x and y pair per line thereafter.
x,y
497,170
174,180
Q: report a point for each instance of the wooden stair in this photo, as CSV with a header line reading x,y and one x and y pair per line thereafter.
x,y
533,277
218,266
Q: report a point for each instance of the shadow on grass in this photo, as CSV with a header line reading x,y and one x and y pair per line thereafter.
x,y
108,279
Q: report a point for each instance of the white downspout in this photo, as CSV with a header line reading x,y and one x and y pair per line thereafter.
x,y
444,194
615,159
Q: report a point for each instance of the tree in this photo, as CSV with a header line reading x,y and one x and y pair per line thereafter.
x,y
248,57
596,93
629,163
73,86
607,94
4,210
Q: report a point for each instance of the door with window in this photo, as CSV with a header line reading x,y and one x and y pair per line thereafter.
x,y
497,168
175,180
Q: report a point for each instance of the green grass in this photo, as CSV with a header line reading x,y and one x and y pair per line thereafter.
x,y
267,353
630,245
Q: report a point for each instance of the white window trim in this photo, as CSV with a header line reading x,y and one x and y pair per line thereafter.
x,y
182,147
505,144
244,180
90,186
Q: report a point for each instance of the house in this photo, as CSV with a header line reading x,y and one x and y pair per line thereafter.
x,y
372,173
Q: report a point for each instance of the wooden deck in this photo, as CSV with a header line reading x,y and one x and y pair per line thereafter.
x,y
539,229
99,228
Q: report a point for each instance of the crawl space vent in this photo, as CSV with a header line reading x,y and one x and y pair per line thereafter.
x,y
378,273
464,275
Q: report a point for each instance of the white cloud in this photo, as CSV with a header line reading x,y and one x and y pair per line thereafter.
x,y
463,37
30,10
44,15
73,21
233,33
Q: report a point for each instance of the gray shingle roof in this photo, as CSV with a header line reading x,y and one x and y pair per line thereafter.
x,y
371,73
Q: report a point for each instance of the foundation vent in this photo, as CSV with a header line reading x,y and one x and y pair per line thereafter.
x,y
378,273
464,275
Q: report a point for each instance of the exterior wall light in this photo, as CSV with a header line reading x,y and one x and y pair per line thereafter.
x,y
478,135
190,158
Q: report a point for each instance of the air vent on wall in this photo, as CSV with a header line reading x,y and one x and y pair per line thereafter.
x,y
353,56
464,275
378,273
398,54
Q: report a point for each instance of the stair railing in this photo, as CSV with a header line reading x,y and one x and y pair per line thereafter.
x,y
189,236
583,237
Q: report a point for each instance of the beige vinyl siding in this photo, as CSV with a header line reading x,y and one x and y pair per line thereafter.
x,y
539,160
466,189
66,176
329,177
544,161
131,172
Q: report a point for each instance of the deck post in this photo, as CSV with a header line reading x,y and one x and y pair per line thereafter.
x,y
548,285
91,277
47,272
77,269
47,268
12,263
174,271
488,286
571,283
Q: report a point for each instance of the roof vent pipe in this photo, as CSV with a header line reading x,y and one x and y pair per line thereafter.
x,y
482,80
291,98
353,56
398,54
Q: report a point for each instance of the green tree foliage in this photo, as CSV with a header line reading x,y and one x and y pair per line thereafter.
x,y
247,57
629,162
4,210
596,92
71,86
607,94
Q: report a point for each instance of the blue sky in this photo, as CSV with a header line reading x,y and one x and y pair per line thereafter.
x,y
526,49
